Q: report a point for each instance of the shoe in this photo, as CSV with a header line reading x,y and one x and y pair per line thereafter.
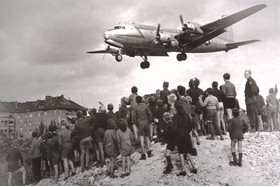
x,y
194,171
123,175
198,143
150,154
232,163
210,138
73,173
143,157
224,133
222,138
194,152
168,169
113,176
182,173
127,174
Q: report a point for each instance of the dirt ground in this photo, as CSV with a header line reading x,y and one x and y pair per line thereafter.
x,y
261,166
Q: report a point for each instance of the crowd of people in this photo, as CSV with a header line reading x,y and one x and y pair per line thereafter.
x,y
177,118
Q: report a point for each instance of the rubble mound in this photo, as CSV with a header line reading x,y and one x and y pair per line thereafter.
x,y
261,166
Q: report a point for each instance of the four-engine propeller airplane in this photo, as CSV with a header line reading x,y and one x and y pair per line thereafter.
x,y
142,40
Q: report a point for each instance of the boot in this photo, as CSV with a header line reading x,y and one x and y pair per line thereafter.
x,y
234,162
169,166
240,160
210,138
150,154
143,156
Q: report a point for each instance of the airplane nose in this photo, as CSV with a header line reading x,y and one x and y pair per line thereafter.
x,y
106,36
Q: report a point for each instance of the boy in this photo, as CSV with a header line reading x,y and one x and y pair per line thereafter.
x,y
236,127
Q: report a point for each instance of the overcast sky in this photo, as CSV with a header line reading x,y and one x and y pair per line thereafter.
x,y
43,48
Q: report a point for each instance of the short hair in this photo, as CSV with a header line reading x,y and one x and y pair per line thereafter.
x,y
191,83
111,124
92,111
49,135
165,84
249,71
226,76
160,102
215,84
110,106
235,112
139,99
102,109
196,82
122,124
134,89
63,122
80,114
152,100
179,106
209,90
271,90
181,90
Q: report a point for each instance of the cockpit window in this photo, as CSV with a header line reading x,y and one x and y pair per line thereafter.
x,y
119,27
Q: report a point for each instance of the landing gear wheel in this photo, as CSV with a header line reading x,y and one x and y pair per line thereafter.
x,y
145,65
118,58
142,65
184,56
179,57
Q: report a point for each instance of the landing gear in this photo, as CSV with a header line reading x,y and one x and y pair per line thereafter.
x,y
118,57
181,56
145,64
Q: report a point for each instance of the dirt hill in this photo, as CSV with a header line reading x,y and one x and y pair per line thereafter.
x,y
260,166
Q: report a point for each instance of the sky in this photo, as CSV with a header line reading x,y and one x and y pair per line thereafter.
x,y
43,47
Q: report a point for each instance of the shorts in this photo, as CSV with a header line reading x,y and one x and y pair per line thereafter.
x,y
221,106
211,115
66,151
99,136
171,146
144,128
85,143
13,166
237,139
229,103
55,158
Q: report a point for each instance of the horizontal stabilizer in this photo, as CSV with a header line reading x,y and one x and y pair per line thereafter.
x,y
100,51
235,45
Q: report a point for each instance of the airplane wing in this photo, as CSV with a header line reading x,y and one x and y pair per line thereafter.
x,y
98,51
107,50
213,29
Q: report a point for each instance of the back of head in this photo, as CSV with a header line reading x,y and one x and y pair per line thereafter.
x,y
152,100
34,134
209,91
181,90
214,84
196,82
226,76
165,84
134,89
110,106
179,106
111,124
191,83
139,99
79,114
124,101
235,112
271,90
122,124
92,112
102,109
64,123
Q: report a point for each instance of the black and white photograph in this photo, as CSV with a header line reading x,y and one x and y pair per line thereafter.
x,y
139,93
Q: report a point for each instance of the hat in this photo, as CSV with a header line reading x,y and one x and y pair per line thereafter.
x,y
167,117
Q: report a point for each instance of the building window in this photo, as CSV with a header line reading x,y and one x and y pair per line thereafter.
x,y
30,115
45,113
39,114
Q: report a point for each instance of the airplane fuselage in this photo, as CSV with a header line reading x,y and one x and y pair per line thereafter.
x,y
142,37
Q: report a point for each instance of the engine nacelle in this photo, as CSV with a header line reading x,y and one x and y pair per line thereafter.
x,y
194,27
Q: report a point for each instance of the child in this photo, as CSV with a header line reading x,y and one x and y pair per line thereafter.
x,y
111,146
124,137
236,127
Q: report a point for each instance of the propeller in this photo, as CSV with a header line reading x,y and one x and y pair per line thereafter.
x,y
157,36
184,26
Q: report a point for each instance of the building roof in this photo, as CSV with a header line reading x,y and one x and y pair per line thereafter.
x,y
50,103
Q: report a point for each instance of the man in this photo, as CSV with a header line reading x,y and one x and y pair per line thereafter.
x,y
143,118
230,94
13,157
84,130
251,91
272,103
164,93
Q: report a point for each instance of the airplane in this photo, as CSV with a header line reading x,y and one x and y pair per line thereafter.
x,y
143,40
